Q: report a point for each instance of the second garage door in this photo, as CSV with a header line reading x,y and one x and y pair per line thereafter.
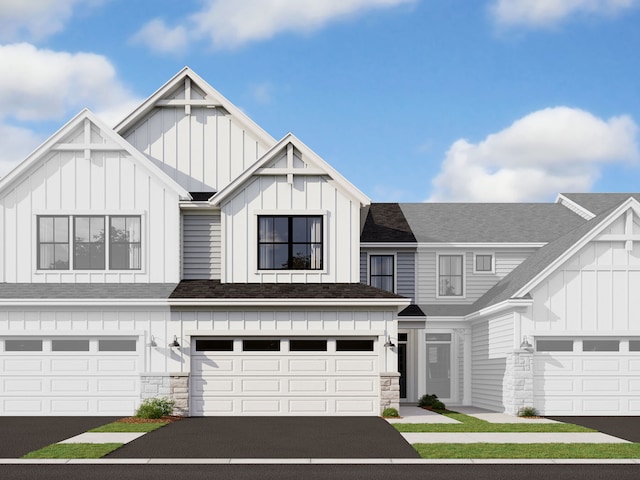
x,y
284,376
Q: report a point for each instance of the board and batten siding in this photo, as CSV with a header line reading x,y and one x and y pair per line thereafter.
x,y
341,229
596,291
203,151
201,257
65,183
475,284
492,340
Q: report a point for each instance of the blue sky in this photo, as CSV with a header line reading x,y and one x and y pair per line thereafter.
x,y
411,100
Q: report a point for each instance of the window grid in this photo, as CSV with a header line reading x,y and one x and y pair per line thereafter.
x,y
450,276
381,269
124,243
484,263
290,242
88,243
53,242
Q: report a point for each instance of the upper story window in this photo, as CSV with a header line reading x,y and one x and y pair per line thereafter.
x,y
483,263
290,242
450,275
89,244
381,272
53,243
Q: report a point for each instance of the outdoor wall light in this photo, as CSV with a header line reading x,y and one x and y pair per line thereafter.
x,y
389,343
175,342
525,345
153,343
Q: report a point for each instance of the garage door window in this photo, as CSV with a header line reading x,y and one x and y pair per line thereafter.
x,y
634,345
600,346
117,345
23,345
214,345
307,345
69,345
354,345
261,345
554,345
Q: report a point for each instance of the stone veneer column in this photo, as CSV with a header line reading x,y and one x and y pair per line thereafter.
x,y
153,385
389,390
179,392
518,385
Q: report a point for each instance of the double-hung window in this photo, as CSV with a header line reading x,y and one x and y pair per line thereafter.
x,y
450,275
381,272
290,242
88,245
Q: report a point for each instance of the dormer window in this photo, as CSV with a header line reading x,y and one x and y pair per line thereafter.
x,y
290,242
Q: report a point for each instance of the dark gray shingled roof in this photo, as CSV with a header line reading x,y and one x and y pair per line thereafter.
x,y
536,263
385,222
489,222
412,311
215,289
86,290
597,203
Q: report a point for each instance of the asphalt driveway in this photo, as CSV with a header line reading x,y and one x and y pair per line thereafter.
x,y
21,435
271,437
621,427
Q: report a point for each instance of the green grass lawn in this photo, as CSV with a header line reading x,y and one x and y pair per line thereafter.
x,y
528,450
74,450
129,427
473,424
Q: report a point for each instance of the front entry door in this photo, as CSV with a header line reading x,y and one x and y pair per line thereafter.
x,y
402,369
439,368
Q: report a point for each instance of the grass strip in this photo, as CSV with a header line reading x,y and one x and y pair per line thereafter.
x,y
129,427
74,450
528,450
472,424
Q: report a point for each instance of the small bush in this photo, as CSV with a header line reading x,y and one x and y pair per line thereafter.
x,y
390,412
431,402
155,408
528,412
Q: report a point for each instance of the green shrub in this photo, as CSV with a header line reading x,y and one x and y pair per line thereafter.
x,y
390,412
155,408
527,412
431,402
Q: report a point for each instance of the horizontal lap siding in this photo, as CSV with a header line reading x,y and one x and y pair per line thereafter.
x,y
201,247
406,269
491,341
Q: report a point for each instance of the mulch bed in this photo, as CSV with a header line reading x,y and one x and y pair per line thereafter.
x,y
168,418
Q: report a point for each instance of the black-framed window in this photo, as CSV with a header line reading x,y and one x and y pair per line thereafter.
x,y
381,270
354,345
260,345
450,275
125,243
88,243
307,345
290,242
484,263
53,243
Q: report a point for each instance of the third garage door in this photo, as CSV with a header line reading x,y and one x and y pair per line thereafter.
x,y
284,376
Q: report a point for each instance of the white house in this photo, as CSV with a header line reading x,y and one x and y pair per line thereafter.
x,y
187,253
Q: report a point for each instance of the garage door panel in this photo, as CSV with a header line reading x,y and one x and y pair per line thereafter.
x,y
558,364
601,365
351,365
22,406
116,386
308,406
598,385
22,385
117,365
260,386
69,385
354,406
208,365
69,405
310,386
564,385
634,385
308,365
21,365
260,406
252,365
634,365
355,386
62,365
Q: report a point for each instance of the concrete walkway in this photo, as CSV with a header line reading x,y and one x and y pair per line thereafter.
x,y
555,437
413,414
104,437
410,414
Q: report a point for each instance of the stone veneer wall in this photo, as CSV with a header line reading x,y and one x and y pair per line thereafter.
x,y
389,390
518,381
174,386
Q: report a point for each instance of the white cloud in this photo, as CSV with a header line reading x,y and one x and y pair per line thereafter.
x,y
44,84
36,19
542,13
545,152
231,23
17,143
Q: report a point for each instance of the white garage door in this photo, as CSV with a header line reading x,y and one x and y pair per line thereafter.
x,y
587,377
297,376
69,376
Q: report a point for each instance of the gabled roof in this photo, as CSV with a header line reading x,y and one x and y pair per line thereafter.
x,y
114,142
320,167
597,203
489,222
212,95
386,223
539,265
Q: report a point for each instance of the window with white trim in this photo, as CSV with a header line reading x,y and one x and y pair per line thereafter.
x,y
483,263
290,242
450,275
381,269
67,242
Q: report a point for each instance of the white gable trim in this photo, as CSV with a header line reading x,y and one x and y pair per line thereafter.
x,y
574,207
188,76
320,168
630,203
116,143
